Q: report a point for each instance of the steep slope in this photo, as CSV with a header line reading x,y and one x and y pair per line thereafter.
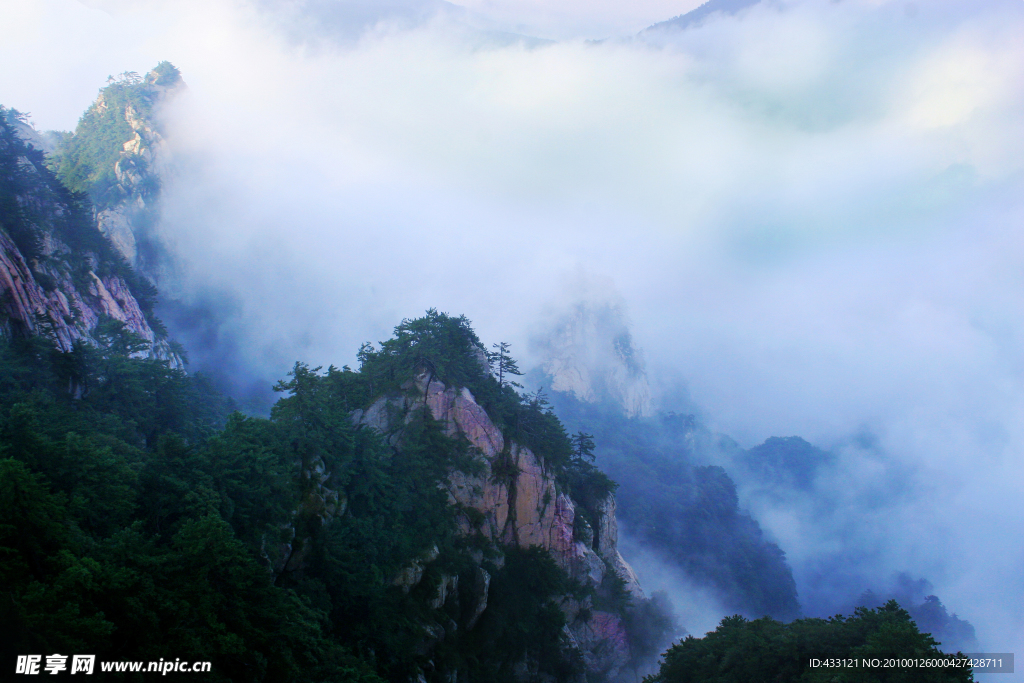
x,y
513,500
516,497
114,156
684,510
59,277
671,498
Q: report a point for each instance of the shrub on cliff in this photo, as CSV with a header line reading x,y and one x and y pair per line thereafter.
x,y
85,160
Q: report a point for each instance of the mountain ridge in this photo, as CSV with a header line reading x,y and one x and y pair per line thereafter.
x,y
695,16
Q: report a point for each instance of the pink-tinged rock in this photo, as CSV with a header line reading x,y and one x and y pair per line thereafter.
x,y
534,501
67,314
562,542
459,411
603,642
626,573
532,512
609,628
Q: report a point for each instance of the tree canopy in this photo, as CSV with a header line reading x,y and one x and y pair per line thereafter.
x,y
742,651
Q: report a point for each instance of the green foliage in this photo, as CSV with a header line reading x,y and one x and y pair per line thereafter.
x,y
582,447
447,349
139,519
927,611
166,74
587,485
15,218
504,364
253,476
33,202
437,343
741,651
85,161
132,528
522,623
396,513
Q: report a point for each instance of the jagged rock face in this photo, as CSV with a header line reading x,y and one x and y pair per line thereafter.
x,y
524,509
321,503
68,312
590,354
59,294
127,223
116,224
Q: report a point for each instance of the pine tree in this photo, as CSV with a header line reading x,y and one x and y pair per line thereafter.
x,y
506,365
583,447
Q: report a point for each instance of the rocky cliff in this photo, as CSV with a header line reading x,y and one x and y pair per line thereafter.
x,y
115,156
511,500
128,221
59,278
589,353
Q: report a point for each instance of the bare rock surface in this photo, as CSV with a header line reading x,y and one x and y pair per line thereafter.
x,y
524,508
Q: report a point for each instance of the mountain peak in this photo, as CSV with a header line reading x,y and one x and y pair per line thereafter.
x,y
590,353
696,16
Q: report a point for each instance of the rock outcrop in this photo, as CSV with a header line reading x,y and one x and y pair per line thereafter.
x,y
48,287
590,354
516,502
129,222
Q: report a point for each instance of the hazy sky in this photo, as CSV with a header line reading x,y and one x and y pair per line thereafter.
x,y
812,211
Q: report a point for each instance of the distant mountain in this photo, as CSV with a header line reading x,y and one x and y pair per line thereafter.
x,y
670,498
117,157
696,16
589,353
788,461
683,510
953,633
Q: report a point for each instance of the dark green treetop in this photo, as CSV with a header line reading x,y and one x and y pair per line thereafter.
x,y
742,651
502,363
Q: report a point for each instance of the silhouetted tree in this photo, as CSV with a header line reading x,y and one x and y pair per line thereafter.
x,y
504,364
583,447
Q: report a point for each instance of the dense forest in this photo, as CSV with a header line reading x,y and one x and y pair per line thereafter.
x,y
145,517
142,515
